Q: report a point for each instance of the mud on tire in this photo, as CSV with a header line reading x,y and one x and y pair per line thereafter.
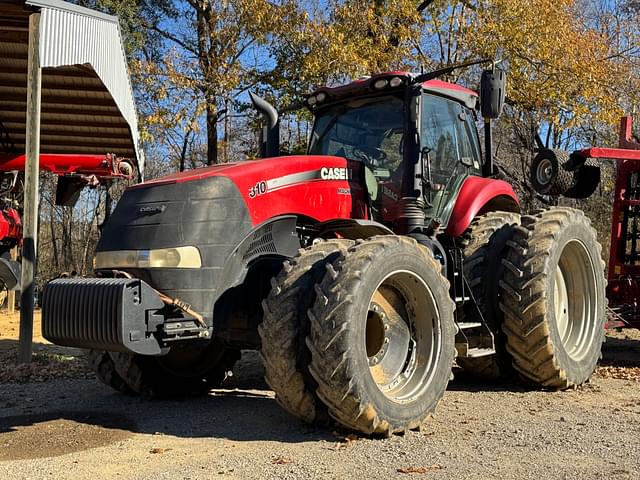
x,y
485,247
382,336
285,326
553,298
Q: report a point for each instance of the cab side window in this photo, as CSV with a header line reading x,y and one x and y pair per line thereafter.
x,y
448,131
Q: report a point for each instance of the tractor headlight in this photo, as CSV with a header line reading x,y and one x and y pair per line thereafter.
x,y
178,257
321,97
312,101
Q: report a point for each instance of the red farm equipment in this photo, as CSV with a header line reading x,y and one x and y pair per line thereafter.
x,y
576,175
359,270
74,173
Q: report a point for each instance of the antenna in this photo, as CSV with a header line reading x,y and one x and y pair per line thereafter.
x,y
424,5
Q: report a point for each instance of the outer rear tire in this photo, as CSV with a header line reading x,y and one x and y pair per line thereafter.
x,y
181,373
382,336
486,246
553,297
285,326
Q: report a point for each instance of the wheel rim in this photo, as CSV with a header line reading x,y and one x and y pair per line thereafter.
x,y
544,172
402,336
575,299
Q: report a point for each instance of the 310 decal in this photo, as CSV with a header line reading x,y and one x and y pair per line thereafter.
x,y
259,188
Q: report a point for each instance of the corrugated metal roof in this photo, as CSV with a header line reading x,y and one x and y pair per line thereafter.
x,y
87,99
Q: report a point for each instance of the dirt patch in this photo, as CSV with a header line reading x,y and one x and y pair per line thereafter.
x,y
10,327
58,433
45,366
49,361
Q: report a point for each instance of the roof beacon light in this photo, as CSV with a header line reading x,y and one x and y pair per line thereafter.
x,y
380,84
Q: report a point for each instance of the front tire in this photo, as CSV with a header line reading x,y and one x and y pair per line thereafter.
x,y
382,336
553,297
105,369
183,372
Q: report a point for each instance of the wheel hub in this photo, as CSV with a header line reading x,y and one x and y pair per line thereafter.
x,y
401,343
544,172
390,339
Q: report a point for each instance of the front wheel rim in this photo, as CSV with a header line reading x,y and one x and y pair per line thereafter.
x,y
403,338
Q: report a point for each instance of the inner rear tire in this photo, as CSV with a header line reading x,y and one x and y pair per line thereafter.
x,y
285,326
382,336
486,246
553,297
183,372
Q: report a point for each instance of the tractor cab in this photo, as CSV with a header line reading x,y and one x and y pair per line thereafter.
x,y
394,126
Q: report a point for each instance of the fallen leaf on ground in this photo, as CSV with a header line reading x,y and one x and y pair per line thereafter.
x,y
419,469
345,441
159,450
281,460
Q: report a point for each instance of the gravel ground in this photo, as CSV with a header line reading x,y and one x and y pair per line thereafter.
x,y
80,429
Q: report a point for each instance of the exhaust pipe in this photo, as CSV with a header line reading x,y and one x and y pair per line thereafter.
x,y
270,145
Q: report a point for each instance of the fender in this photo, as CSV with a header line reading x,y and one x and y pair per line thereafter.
x,y
479,195
352,228
276,237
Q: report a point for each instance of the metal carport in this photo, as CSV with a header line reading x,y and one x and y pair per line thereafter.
x,y
65,90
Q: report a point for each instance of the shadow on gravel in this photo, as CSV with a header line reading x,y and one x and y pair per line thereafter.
x,y
244,410
621,352
466,382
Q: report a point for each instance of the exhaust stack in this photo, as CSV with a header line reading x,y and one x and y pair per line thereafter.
x,y
271,130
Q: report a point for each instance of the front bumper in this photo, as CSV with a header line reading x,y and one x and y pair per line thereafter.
x,y
114,314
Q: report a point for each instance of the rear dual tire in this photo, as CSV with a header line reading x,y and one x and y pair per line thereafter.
x,y
553,298
485,246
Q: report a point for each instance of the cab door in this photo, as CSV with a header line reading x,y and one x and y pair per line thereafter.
x,y
449,137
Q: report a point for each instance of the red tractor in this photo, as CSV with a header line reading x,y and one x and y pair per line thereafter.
x,y
360,270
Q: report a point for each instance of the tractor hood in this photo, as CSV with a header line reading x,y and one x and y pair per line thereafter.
x,y
314,186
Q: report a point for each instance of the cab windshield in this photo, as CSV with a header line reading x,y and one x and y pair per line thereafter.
x,y
369,130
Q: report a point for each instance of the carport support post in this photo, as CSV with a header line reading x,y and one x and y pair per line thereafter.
x,y
31,173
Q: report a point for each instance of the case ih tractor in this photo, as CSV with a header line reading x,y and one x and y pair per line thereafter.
x,y
360,270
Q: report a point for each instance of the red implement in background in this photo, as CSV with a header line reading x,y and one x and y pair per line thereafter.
x,y
74,173
623,290
104,166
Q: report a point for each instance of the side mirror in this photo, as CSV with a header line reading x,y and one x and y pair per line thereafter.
x,y
493,85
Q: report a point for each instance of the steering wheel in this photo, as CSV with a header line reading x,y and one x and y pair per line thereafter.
x,y
370,155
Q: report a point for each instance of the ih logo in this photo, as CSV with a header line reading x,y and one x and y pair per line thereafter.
x,y
335,173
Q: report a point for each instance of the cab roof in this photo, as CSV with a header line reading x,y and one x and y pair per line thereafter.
x,y
368,84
